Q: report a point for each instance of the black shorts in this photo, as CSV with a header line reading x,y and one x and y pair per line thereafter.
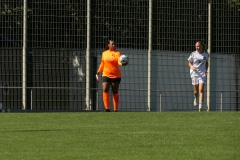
x,y
111,80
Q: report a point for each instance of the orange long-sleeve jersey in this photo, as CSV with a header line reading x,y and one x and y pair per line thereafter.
x,y
110,64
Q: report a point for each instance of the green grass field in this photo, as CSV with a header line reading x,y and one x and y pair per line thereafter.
x,y
121,135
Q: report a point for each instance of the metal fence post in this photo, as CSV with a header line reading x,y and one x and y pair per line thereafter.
x,y
24,51
149,54
160,102
88,56
209,52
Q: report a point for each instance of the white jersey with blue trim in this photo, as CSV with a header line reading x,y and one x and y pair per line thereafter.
x,y
199,61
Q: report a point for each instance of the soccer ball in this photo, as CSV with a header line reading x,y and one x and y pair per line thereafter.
x,y
124,59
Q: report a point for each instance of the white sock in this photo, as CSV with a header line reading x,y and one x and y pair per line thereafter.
x,y
200,104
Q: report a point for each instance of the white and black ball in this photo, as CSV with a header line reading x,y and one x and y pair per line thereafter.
x,y
124,59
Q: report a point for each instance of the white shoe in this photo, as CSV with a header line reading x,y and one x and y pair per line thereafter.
x,y
200,109
195,102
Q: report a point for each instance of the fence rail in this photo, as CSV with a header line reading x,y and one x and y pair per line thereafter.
x,y
164,100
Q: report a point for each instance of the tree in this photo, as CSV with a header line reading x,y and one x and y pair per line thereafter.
x,y
234,3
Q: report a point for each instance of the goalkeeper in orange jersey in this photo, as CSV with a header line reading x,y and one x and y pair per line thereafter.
x,y
111,76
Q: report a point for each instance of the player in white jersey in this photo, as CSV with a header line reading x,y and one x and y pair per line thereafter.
x,y
198,63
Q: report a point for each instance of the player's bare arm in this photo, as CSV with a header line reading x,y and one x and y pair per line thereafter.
x,y
190,64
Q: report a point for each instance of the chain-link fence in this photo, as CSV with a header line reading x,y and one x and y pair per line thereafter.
x,y
56,43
